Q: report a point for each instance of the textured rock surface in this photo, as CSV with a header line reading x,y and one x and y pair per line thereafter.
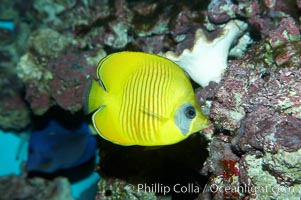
x,y
111,188
20,187
14,113
255,109
60,58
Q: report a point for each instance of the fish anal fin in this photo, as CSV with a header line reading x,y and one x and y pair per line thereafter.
x,y
98,119
103,126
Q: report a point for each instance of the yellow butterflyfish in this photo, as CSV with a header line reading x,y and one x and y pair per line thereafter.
x,y
143,99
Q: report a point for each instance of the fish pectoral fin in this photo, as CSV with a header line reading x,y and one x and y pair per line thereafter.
x,y
152,114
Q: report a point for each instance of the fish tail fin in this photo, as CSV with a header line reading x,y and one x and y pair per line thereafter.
x,y
93,97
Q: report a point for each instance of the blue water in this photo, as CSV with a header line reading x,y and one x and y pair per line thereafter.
x,y
7,25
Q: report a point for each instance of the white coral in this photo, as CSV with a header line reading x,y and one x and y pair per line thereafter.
x,y
207,60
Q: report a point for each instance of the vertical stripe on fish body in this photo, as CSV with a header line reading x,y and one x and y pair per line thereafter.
x,y
143,99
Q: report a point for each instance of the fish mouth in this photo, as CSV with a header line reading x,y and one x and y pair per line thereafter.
x,y
202,122
207,122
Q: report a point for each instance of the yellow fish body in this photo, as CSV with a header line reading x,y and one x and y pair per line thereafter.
x,y
143,99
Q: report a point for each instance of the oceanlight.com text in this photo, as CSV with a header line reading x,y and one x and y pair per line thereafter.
x,y
213,188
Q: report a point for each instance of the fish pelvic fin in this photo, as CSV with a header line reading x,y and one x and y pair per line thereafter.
x,y
152,114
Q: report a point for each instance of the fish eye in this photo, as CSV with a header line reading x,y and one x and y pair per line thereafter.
x,y
190,112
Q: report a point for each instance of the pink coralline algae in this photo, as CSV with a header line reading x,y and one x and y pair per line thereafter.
x,y
61,82
267,130
183,27
61,58
267,75
70,78
43,45
286,31
257,109
54,75
264,16
221,11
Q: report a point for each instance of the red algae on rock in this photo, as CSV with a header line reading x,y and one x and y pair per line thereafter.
x,y
70,76
44,44
255,108
267,130
59,58
257,105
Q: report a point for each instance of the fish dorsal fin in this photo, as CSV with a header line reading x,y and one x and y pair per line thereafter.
x,y
93,99
101,84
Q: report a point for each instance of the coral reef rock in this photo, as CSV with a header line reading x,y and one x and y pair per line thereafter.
x,y
256,108
43,45
113,188
207,60
20,187
14,113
